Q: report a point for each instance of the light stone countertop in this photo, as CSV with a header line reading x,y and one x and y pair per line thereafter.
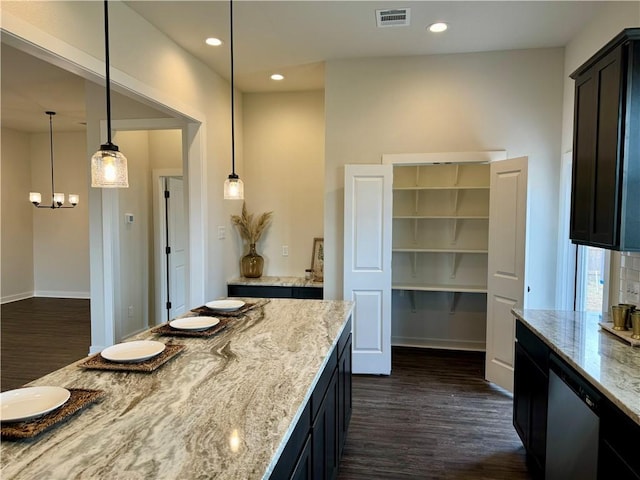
x,y
276,282
224,408
610,364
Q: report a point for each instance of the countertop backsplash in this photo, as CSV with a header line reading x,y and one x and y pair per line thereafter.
x,y
630,277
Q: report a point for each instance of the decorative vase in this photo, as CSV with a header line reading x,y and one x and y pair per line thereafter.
x,y
252,263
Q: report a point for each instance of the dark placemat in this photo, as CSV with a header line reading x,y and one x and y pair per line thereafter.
x,y
79,399
204,310
96,362
166,329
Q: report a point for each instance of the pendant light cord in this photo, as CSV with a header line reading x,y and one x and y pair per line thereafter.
x,y
233,137
108,76
51,114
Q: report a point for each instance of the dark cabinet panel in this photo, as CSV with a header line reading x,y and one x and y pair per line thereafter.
x,y
273,291
324,436
606,147
304,468
530,390
345,404
583,158
619,456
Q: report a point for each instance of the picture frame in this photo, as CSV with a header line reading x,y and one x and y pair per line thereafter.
x,y
317,259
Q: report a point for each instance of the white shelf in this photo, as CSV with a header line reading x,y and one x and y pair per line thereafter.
x,y
443,217
452,187
442,288
439,250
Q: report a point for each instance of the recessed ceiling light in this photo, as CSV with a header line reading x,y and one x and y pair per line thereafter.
x,y
438,27
214,42
277,76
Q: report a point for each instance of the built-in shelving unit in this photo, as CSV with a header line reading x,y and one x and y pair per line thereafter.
x,y
440,252
440,228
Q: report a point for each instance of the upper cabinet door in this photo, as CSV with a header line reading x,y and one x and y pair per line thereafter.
x,y
606,147
367,264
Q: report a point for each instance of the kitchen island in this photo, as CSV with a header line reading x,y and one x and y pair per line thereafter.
x,y
224,408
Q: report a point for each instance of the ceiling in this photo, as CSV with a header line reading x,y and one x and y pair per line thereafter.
x,y
295,38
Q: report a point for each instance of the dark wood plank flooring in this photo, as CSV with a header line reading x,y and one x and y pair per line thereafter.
x,y
41,335
434,417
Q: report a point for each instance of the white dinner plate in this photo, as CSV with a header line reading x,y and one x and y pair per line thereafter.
x,y
31,402
194,323
136,351
225,305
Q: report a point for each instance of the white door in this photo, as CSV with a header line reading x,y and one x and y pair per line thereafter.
x,y
507,229
367,264
177,264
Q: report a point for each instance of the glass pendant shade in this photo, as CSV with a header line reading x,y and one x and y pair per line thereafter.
x,y
35,198
233,188
74,199
109,168
58,198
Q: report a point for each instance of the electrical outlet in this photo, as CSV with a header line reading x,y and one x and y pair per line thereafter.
x,y
285,250
130,311
222,233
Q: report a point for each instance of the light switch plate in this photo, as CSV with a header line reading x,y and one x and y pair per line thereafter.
x,y
221,232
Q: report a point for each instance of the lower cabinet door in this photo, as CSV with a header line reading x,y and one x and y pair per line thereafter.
x,y
345,404
325,434
303,469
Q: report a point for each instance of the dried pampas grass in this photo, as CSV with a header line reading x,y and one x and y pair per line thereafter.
x,y
251,230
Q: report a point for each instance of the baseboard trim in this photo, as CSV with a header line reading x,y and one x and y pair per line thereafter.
x,y
16,297
61,294
467,345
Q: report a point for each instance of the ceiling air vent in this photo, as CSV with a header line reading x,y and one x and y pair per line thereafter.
x,y
397,17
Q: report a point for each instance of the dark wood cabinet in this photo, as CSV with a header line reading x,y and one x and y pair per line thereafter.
x,y
618,450
605,198
313,451
530,390
274,291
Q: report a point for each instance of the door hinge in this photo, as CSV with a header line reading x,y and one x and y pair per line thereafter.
x,y
168,305
166,194
167,250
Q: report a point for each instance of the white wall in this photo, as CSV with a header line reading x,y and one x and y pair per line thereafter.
x,y
284,165
133,287
508,100
60,237
45,252
16,217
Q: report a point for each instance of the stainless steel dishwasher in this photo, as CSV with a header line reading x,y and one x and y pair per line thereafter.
x,y
573,425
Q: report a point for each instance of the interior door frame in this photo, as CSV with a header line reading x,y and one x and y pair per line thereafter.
x,y
159,241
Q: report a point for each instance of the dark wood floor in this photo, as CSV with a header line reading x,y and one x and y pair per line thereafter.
x,y
41,335
434,418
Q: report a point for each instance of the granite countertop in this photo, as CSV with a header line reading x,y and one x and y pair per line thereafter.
x,y
223,408
610,364
276,282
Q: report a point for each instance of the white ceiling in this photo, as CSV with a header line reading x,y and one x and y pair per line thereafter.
x,y
295,38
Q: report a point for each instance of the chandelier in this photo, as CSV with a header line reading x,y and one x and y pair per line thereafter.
x,y
57,199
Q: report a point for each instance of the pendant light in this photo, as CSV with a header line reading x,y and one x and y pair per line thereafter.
x,y
108,165
233,186
57,199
